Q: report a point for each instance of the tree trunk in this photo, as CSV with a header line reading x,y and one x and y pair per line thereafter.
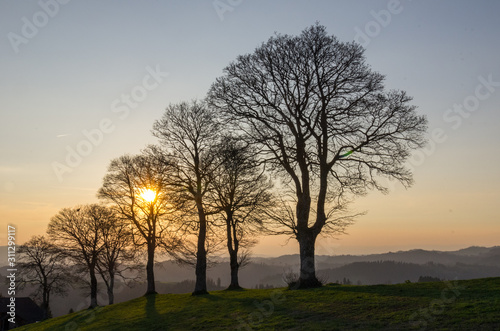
x,y
232,247
45,303
93,288
307,277
111,294
201,253
201,258
307,239
233,256
48,312
150,275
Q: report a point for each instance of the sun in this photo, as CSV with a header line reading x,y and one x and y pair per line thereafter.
x,y
148,195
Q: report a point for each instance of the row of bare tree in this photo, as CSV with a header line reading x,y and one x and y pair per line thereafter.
x,y
285,139
83,243
201,177
200,181
156,201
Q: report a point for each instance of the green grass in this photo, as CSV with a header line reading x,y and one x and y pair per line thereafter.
x,y
455,305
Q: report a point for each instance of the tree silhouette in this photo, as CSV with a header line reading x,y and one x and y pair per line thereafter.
x,y
78,231
117,255
128,178
187,133
324,122
43,266
241,192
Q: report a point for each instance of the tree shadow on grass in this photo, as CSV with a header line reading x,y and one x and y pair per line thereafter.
x,y
151,312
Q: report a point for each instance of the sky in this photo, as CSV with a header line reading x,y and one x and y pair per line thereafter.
x,y
83,81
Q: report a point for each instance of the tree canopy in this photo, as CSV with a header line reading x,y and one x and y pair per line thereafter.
x,y
324,122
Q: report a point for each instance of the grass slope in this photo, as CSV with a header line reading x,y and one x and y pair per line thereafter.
x,y
455,305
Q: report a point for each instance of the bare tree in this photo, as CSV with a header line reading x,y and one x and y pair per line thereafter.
x,y
187,132
43,266
323,121
78,231
241,192
137,186
118,255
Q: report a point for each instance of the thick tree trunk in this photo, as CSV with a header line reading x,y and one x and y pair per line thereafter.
x,y
93,288
307,239
201,255
307,277
201,263
234,285
150,275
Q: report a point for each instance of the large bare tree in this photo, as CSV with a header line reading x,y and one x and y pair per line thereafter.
x,y
324,121
137,187
241,192
78,231
187,133
43,266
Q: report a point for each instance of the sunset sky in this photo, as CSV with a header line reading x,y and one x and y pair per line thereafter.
x,y
70,68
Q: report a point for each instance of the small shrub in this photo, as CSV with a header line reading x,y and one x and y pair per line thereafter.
x,y
290,278
423,279
322,278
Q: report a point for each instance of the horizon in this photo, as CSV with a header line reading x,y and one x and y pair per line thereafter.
x,y
70,78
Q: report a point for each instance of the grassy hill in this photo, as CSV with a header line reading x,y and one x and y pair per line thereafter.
x,y
464,305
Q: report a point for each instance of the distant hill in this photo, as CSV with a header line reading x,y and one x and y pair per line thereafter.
x,y
459,305
473,262
471,255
